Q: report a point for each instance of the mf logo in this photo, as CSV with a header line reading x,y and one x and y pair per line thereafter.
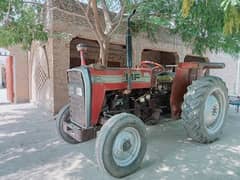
x,y
134,76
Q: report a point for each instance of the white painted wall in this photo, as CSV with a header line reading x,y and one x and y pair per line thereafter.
x,y
2,63
238,77
0,77
2,60
229,74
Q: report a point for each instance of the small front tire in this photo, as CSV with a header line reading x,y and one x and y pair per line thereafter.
x,y
121,145
64,116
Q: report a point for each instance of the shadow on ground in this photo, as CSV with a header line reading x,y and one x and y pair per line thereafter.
x,y
31,149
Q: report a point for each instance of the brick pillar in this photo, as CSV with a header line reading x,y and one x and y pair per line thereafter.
x,y
61,63
9,79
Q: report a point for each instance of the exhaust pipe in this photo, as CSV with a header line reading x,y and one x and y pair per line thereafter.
x,y
129,48
129,40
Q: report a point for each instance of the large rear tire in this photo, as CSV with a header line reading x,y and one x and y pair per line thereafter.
x,y
121,145
64,116
204,109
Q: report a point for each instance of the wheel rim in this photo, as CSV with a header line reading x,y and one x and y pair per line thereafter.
x,y
126,146
214,110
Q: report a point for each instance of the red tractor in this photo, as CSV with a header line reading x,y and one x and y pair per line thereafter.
x,y
120,101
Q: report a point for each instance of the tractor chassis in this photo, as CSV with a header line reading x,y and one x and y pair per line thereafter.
x,y
78,133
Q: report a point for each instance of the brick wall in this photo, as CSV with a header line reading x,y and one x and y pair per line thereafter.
x,y
20,69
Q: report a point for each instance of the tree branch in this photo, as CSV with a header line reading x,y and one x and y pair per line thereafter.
x,y
120,12
97,19
85,16
81,6
88,18
88,8
118,21
107,18
67,12
6,20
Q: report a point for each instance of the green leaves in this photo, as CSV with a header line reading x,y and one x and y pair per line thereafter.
x,y
151,14
20,23
231,16
209,27
186,7
203,25
231,12
202,28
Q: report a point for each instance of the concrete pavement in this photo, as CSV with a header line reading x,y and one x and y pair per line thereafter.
x,y
31,149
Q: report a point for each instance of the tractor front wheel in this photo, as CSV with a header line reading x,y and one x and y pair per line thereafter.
x,y
64,116
205,109
121,145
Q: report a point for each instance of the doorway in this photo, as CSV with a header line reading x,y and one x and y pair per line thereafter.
x,y
165,58
117,53
3,85
6,78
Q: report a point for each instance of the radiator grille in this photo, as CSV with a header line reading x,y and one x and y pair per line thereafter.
x,y
77,98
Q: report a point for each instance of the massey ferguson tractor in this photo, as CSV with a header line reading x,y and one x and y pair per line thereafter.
x,y
118,102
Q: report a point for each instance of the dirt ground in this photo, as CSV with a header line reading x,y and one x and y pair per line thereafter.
x,y
31,149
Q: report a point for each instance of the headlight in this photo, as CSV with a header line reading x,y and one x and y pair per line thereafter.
x,y
72,90
79,91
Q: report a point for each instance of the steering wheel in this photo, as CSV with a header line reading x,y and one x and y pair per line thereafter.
x,y
153,65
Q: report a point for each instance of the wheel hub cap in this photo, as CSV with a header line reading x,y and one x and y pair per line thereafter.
x,y
211,110
126,146
214,111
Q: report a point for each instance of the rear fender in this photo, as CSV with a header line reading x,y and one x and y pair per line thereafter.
x,y
185,73
180,83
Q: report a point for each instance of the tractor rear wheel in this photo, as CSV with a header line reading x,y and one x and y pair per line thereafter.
x,y
204,109
64,116
121,145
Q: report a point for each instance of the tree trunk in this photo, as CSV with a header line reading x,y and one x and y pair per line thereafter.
x,y
104,51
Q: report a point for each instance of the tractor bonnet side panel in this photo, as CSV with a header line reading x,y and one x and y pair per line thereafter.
x,y
104,80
